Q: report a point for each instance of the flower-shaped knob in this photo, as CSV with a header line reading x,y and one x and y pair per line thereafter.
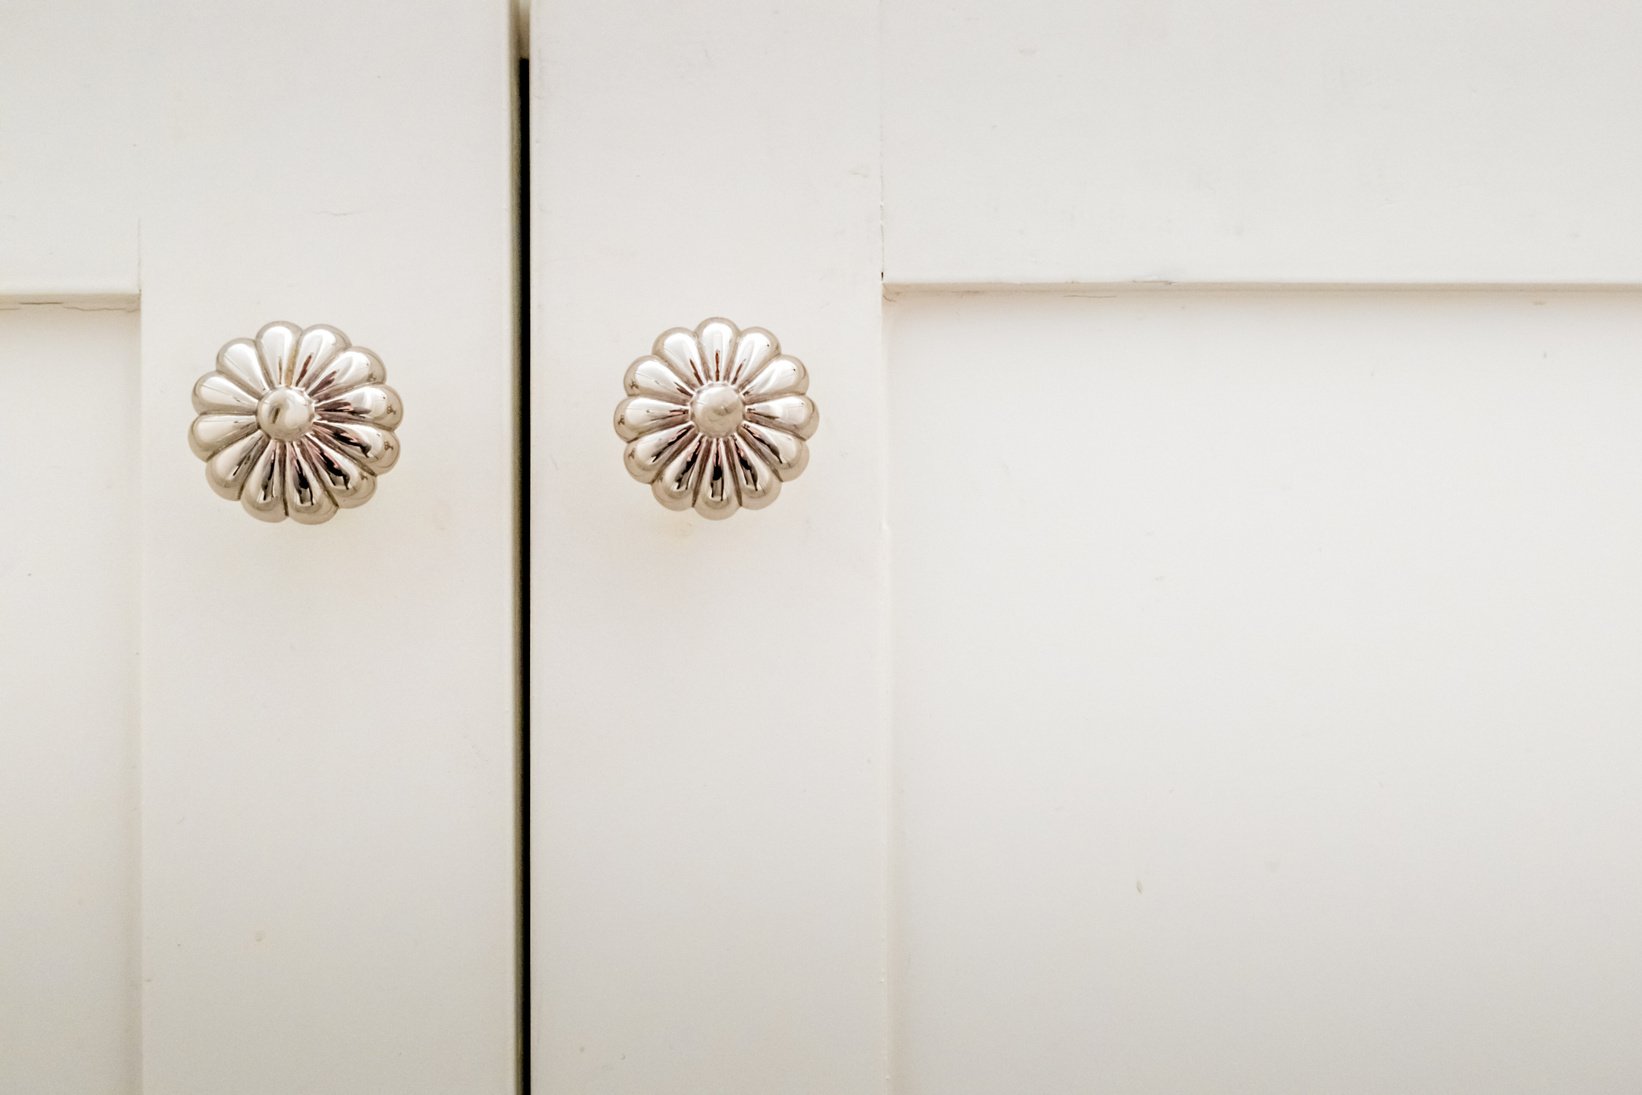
x,y
716,418
295,423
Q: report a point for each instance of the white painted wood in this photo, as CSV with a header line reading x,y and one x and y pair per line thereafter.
x,y
708,788
68,149
1050,141
68,703
328,818
1265,692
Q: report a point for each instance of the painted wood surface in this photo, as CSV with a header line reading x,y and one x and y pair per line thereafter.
x,y
1259,141
708,787
328,713
68,702
68,149
1265,707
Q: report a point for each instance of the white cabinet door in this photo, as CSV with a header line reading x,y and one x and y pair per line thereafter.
x,y
1200,655
257,782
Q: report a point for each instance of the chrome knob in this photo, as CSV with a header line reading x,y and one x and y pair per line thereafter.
x,y
295,423
716,418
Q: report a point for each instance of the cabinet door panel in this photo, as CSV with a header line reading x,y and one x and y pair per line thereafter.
x,y
68,702
1265,710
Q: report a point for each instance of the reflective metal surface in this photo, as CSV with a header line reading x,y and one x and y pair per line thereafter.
x,y
295,423
716,418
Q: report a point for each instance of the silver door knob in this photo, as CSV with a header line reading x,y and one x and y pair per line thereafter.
x,y
716,418
295,423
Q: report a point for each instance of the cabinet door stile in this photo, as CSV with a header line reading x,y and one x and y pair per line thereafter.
x,y
709,699
328,712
